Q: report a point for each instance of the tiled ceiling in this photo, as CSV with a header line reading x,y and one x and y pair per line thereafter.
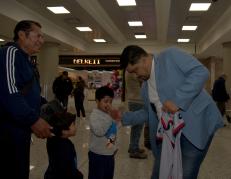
x,y
144,11
162,22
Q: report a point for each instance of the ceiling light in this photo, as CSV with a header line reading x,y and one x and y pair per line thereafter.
x,y
99,40
135,23
2,40
183,40
84,29
189,27
126,2
58,10
140,36
199,6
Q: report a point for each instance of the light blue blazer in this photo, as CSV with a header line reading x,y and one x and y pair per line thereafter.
x,y
180,78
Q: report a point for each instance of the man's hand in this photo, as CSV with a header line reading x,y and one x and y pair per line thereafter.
x,y
115,114
169,106
70,132
42,129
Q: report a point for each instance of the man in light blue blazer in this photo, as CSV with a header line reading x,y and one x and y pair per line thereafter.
x,y
174,81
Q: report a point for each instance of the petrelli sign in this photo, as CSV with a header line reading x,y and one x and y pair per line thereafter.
x,y
81,61
90,60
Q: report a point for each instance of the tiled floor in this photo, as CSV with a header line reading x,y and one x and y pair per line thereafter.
x,y
217,164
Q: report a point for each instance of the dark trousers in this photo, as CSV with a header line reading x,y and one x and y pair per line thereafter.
x,y
80,108
14,152
221,107
147,143
64,101
101,166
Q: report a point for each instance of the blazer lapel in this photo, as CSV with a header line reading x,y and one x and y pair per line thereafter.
x,y
157,73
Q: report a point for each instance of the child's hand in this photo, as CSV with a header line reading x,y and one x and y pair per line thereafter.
x,y
70,132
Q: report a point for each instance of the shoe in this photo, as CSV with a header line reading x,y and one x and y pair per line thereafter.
x,y
139,151
148,145
138,155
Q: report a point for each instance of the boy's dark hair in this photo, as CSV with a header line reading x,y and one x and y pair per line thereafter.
x,y
25,26
131,55
54,113
103,91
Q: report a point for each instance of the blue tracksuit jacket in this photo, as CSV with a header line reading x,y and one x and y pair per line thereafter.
x,y
17,71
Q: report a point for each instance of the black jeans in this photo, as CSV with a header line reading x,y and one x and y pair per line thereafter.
x,y
80,108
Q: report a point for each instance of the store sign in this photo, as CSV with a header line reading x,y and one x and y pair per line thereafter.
x,y
99,62
85,61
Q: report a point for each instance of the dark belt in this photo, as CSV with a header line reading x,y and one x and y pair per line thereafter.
x,y
153,107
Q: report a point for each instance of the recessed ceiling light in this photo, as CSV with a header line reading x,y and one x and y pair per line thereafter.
x,y
135,23
140,36
199,6
126,2
84,28
2,40
99,40
189,27
183,40
58,10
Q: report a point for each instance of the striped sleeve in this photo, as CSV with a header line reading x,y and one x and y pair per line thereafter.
x,y
10,69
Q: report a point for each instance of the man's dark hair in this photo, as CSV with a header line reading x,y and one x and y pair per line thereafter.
x,y
131,55
65,73
25,26
103,91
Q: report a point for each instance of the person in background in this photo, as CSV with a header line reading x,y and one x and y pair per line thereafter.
x,y
220,94
173,82
82,82
62,86
20,100
79,96
103,130
133,97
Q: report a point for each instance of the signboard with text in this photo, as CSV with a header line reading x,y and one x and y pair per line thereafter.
x,y
100,61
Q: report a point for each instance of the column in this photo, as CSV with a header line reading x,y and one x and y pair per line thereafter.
x,y
48,60
212,71
227,64
227,70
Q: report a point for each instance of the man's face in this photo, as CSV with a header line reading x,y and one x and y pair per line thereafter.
x,y
140,69
32,41
105,104
64,76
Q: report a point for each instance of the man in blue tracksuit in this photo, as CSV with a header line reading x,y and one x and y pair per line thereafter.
x,y
20,101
